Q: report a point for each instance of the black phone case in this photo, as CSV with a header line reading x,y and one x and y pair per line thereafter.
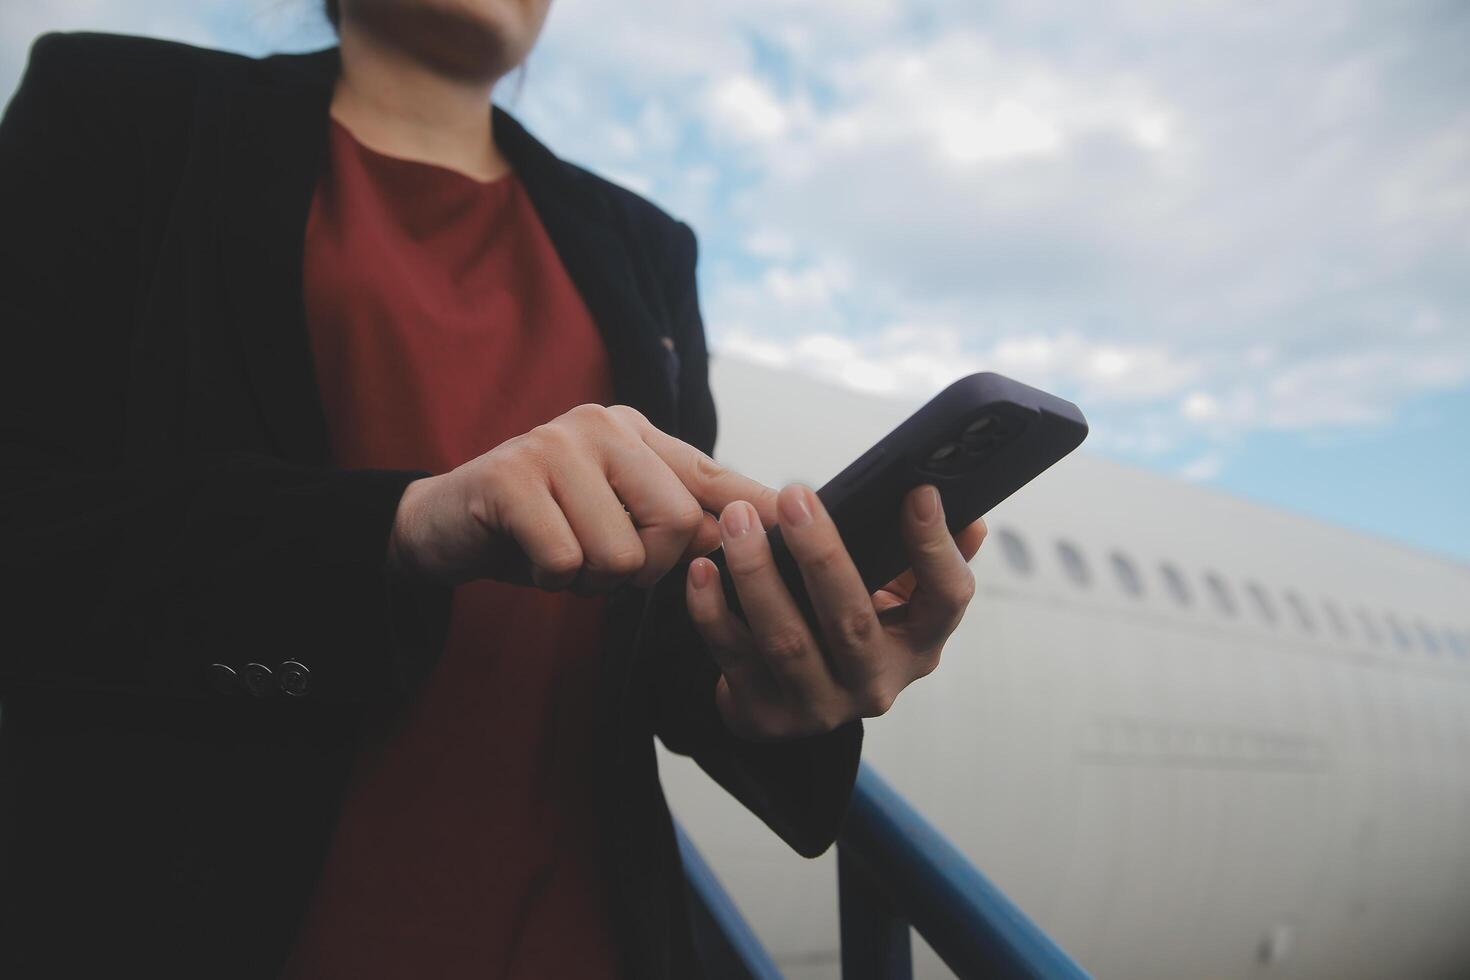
x,y
1027,431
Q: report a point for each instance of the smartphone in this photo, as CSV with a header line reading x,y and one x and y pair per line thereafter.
x,y
978,441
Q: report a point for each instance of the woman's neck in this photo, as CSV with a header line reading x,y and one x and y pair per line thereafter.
x,y
402,107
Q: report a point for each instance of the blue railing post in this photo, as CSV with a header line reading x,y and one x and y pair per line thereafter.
x,y
727,945
875,937
969,922
895,871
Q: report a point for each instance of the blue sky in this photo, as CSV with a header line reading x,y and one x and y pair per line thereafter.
x,y
1238,234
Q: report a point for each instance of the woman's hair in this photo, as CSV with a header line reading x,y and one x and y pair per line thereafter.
x,y
333,12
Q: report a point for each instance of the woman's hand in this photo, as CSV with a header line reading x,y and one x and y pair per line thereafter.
x,y
595,498
781,681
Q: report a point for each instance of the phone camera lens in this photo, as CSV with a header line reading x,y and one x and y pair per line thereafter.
x,y
978,426
980,435
944,454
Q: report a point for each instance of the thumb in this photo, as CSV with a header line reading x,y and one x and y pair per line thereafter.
x,y
705,540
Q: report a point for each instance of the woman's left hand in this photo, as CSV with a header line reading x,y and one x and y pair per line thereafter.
x,y
781,681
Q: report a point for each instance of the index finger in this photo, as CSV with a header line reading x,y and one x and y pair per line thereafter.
x,y
713,485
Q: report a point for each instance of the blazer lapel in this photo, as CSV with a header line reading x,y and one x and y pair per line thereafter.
x,y
273,144
597,260
273,136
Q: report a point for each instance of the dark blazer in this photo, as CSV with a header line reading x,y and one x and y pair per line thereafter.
x,y
170,516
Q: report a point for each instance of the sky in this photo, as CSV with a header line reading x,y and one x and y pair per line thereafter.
x,y
1237,234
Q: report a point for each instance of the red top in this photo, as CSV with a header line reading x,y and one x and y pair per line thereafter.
x,y
443,323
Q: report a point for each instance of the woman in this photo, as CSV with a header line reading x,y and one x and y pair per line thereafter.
x,y
347,432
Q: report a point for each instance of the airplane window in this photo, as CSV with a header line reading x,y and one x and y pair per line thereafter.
x,y
1127,573
1073,563
1431,642
1299,609
1396,628
1335,617
1017,555
1261,601
1174,582
1220,592
1370,628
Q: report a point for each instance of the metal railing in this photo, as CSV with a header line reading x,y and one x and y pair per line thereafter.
x,y
894,871
726,943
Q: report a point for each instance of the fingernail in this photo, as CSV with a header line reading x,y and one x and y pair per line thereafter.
x,y
737,520
926,504
699,572
794,509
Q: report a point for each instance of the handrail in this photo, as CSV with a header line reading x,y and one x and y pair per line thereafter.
x,y
727,945
896,869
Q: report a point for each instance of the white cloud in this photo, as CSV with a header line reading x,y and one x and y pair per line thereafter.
x,y
1203,468
914,358
769,243
1199,221
1151,129
807,288
1006,130
1200,406
745,108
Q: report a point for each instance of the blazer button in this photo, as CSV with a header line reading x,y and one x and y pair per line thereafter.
x,y
259,680
223,679
294,678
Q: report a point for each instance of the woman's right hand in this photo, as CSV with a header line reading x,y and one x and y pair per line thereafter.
x,y
548,508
